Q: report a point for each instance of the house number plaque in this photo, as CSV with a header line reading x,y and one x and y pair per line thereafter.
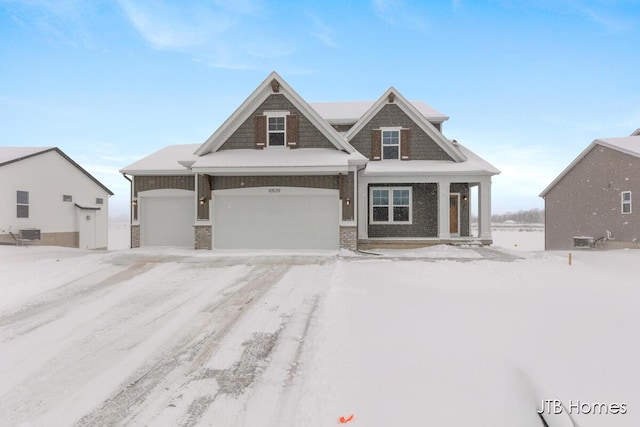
x,y
274,190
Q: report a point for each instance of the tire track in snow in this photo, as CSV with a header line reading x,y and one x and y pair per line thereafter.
x,y
186,361
55,303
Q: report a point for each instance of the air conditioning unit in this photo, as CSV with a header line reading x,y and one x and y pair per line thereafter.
x,y
30,234
583,242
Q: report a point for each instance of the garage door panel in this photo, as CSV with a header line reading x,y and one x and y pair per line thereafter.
x,y
307,219
167,221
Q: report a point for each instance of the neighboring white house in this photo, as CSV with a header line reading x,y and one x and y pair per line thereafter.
x,y
46,195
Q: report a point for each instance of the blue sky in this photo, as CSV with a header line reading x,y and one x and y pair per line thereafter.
x,y
528,84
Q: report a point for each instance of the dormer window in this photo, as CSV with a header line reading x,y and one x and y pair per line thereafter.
x,y
390,143
276,130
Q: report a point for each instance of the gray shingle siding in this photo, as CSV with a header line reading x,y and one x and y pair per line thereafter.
x,y
422,146
424,215
586,201
309,135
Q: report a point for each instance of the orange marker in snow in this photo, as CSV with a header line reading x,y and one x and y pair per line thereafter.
x,y
344,420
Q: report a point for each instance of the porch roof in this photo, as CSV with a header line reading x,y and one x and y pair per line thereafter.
x,y
474,165
277,159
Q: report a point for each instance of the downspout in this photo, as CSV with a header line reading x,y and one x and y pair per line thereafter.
x,y
130,197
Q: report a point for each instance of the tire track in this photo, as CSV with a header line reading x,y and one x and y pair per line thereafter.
x,y
186,361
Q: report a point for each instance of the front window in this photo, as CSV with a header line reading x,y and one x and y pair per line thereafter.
x,y
391,144
276,130
391,205
625,197
22,204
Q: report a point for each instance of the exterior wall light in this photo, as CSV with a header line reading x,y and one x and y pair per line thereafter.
x,y
201,201
348,201
134,202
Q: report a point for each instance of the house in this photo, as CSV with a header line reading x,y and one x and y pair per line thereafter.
x,y
283,173
48,197
592,199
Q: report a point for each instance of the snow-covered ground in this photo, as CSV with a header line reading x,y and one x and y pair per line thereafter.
x,y
438,336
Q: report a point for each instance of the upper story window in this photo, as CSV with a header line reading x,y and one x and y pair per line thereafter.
x,y
625,199
391,144
276,130
67,198
22,204
99,201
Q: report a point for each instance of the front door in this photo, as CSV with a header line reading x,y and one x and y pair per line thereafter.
x,y
454,213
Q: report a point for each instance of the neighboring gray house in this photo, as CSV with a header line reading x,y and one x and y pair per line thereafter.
x,y
282,173
592,199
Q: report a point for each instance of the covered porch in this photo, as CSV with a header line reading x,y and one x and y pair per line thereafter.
x,y
441,210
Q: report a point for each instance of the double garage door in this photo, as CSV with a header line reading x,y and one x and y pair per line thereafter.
x,y
276,218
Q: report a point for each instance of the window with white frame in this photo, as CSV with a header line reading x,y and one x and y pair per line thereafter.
x,y
625,199
276,130
391,143
390,205
22,204
67,198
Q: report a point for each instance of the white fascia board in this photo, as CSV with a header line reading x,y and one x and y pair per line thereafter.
x,y
257,97
567,169
414,114
409,179
291,170
146,172
619,148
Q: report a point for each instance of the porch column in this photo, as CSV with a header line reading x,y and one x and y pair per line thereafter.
x,y
484,210
444,228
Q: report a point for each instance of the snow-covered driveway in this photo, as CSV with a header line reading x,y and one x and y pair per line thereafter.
x,y
142,338
439,336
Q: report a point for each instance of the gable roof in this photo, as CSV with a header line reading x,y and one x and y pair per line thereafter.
x,y
171,160
628,145
10,155
259,95
349,112
415,115
14,154
636,132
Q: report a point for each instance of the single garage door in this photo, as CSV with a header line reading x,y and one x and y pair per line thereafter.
x,y
276,218
167,220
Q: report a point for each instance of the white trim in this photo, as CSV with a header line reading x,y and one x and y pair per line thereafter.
x,y
389,129
415,115
390,205
626,202
277,114
257,97
586,151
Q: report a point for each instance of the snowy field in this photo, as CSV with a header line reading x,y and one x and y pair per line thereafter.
x,y
441,336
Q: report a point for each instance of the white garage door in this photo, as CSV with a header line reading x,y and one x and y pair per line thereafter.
x,y
276,218
167,220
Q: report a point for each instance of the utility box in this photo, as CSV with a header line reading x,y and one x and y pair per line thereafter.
x,y
30,234
583,242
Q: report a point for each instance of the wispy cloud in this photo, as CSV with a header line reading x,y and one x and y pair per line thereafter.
x,y
322,31
608,14
398,12
63,22
168,27
216,33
